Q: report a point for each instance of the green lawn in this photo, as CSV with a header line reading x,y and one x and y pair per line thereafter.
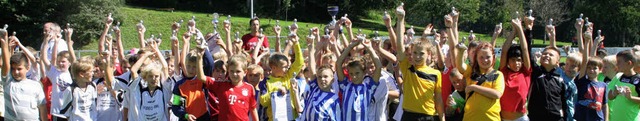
x,y
159,22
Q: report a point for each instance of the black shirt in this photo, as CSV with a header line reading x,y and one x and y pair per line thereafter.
x,y
546,96
633,80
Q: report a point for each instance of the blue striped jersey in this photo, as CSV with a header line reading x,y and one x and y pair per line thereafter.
x,y
320,105
356,98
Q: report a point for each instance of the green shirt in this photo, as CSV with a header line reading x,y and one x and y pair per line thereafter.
x,y
621,108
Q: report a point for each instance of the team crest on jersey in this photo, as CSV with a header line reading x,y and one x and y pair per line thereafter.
x,y
245,92
636,80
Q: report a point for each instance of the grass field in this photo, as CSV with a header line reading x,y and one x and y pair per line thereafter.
x,y
159,22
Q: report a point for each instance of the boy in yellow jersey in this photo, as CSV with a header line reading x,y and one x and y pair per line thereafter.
x,y
279,80
421,83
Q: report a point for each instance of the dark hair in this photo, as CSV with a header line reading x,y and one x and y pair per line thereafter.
x,y
514,51
253,19
276,58
473,44
627,55
19,58
133,59
218,65
602,52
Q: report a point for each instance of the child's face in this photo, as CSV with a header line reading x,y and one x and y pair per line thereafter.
x,y
550,57
63,64
484,58
85,76
325,78
220,73
515,63
571,68
623,64
236,73
153,79
419,56
356,74
457,82
191,71
593,71
254,76
370,68
19,71
280,68
171,66
98,72
609,68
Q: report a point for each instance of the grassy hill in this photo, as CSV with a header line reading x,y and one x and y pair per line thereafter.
x,y
159,22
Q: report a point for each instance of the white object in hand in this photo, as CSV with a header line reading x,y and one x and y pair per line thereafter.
x,y
140,25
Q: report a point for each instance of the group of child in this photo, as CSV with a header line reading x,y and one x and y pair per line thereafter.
x,y
427,78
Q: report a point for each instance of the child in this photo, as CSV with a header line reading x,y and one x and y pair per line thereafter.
x,y
280,79
79,99
358,89
24,98
255,74
322,103
592,100
547,99
455,105
237,98
568,72
108,107
623,92
516,65
147,98
421,83
58,72
609,71
484,87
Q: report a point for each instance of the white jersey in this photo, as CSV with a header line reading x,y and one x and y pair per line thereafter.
x,y
23,99
140,102
378,106
107,107
60,81
82,101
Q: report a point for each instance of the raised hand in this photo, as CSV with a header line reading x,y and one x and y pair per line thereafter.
x,y
448,21
69,31
579,23
346,21
400,11
277,29
497,30
226,26
109,20
175,25
386,18
551,30
428,30
528,21
116,29
141,28
516,24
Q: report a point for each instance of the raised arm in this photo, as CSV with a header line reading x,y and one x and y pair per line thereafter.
x,y
200,74
135,67
122,59
5,56
43,54
30,56
392,33
107,24
376,60
54,52
496,34
341,59
161,58
277,30
400,33
141,30
72,53
584,48
185,49
551,33
523,44
506,46
256,50
384,53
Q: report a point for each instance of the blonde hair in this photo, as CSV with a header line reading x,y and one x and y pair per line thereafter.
x,y
575,57
610,59
220,56
150,69
255,67
83,65
237,60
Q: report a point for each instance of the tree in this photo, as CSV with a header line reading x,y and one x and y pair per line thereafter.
x,y
619,20
28,16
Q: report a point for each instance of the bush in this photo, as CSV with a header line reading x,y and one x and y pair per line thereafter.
x,y
26,17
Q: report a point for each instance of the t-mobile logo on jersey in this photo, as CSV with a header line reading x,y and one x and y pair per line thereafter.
x,y
232,99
